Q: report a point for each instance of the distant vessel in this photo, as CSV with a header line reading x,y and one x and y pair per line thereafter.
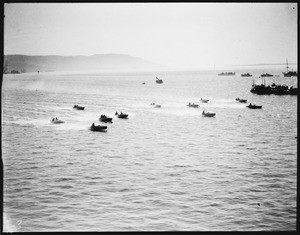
x,y
208,114
254,106
159,81
226,73
193,105
241,100
121,115
76,106
104,118
266,75
246,75
56,121
289,73
98,128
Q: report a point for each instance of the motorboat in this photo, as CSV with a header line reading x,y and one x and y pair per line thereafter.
x,y
226,73
156,105
98,128
253,106
121,115
266,75
208,114
56,121
192,105
159,81
246,75
241,100
78,107
204,100
104,118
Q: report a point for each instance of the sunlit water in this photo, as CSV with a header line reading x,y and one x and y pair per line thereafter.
x,y
164,168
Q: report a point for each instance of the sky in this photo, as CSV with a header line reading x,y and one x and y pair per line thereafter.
x,y
185,35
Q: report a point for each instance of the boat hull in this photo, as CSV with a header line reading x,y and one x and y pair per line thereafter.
x,y
241,100
193,105
124,116
208,114
254,107
106,119
78,107
58,122
98,128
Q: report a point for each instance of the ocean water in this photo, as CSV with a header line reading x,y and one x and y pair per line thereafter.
x,y
162,169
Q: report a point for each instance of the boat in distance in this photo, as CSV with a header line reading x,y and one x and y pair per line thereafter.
x,y
246,75
208,114
76,106
254,106
98,128
289,73
121,115
57,121
156,105
241,100
266,75
159,81
192,105
204,100
104,118
226,73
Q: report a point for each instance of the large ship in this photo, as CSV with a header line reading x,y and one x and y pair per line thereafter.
x,y
289,73
273,89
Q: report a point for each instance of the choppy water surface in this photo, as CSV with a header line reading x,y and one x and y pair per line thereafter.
x,y
161,169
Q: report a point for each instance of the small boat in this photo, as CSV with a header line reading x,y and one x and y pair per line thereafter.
x,y
266,75
204,100
159,81
157,106
56,121
241,100
289,73
78,107
104,118
246,75
121,115
98,128
208,114
192,105
226,73
143,83
253,106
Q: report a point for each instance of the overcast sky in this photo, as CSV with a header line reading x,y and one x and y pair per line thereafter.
x,y
173,34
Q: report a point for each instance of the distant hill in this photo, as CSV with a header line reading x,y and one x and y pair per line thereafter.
x,y
101,62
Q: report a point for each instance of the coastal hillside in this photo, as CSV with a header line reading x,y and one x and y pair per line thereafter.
x,y
101,62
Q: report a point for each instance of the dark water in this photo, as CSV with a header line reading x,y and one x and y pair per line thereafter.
x,y
163,168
